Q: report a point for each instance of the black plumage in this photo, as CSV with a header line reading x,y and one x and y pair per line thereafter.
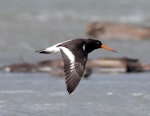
x,y
74,54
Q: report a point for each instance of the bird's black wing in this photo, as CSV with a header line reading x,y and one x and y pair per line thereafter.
x,y
73,70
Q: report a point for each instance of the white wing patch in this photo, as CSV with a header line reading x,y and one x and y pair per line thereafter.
x,y
71,57
71,67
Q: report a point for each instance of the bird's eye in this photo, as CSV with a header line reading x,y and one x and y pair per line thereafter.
x,y
97,42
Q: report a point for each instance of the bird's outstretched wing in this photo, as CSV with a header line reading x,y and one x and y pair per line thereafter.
x,y
73,70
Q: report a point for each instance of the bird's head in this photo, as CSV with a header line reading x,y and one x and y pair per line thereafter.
x,y
98,44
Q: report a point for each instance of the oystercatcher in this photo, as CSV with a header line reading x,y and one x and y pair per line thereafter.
x,y
74,54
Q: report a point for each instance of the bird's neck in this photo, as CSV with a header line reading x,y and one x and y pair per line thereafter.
x,y
89,48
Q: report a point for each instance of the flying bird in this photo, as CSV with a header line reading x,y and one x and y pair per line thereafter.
x,y
74,54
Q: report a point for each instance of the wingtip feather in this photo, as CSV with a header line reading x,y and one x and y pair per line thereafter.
x,y
69,91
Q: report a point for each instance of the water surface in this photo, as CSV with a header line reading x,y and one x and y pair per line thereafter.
x,y
105,94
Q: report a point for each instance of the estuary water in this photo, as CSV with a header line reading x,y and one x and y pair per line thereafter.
x,y
101,95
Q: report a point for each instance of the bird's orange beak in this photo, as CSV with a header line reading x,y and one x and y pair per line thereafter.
x,y
107,48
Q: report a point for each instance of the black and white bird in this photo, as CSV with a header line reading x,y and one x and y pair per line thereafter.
x,y
74,54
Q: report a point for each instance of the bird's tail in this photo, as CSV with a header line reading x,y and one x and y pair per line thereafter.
x,y
43,51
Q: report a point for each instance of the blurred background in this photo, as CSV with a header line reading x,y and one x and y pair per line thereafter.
x,y
30,25
27,26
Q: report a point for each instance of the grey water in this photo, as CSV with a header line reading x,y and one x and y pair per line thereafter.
x,y
30,25
101,95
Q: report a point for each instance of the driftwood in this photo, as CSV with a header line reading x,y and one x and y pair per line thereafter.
x,y
117,30
105,65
